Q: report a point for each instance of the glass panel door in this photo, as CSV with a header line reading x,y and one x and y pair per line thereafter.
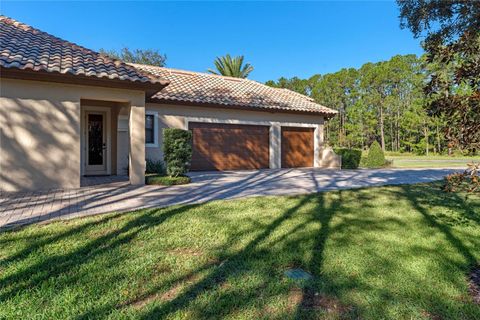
x,y
95,139
96,143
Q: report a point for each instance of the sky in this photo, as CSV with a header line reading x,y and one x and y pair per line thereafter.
x,y
278,38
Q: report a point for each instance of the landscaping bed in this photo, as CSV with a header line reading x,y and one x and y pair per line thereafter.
x,y
165,180
398,252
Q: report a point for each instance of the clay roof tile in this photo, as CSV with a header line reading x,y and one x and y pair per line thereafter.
x,y
26,48
209,89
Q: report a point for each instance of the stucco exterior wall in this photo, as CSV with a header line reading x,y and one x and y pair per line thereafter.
x,y
40,132
176,116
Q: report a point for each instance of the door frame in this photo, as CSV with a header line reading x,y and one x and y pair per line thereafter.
x,y
83,140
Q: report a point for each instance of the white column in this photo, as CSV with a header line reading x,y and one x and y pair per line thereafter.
x,y
275,146
318,146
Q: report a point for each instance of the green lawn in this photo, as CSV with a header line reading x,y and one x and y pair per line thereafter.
x,y
400,252
412,161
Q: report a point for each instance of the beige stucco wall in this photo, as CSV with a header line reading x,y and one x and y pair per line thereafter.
x,y
123,150
40,132
176,116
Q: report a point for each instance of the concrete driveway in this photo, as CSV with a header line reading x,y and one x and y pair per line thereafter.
x,y
116,195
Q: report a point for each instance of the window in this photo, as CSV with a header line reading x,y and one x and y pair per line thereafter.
x,y
151,129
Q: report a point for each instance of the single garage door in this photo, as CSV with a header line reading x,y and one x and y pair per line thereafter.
x,y
297,147
229,146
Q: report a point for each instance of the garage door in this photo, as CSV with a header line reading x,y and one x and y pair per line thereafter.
x,y
297,147
229,147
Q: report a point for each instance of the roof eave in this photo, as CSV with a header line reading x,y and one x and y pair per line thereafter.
x,y
238,107
25,74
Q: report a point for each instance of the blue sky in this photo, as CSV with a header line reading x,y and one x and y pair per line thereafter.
x,y
277,38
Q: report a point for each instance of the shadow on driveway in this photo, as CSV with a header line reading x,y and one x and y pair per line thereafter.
x,y
26,208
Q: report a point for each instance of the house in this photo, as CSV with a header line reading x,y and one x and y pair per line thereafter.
x,y
67,111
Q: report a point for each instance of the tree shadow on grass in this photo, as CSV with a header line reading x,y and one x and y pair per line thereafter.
x,y
247,280
265,258
246,276
236,265
320,296
312,302
55,266
37,244
428,201
421,198
262,259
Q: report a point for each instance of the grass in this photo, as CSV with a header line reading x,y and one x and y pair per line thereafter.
x,y
166,180
399,252
410,161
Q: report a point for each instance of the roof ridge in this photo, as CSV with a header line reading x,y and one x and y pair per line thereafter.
x,y
191,72
141,65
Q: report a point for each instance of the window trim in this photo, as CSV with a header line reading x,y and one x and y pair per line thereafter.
x,y
155,129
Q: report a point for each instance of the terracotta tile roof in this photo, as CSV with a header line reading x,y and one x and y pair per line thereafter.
x,y
25,48
209,89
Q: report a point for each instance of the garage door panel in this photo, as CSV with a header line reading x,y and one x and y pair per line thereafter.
x,y
229,147
297,147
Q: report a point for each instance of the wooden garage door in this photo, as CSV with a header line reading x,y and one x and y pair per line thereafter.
x,y
297,147
229,146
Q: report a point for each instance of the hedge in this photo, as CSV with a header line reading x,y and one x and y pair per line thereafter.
x,y
177,150
350,157
376,157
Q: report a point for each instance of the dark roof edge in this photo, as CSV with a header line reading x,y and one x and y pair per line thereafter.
x,y
237,107
25,74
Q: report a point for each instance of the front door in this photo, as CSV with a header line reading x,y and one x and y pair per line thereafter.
x,y
96,143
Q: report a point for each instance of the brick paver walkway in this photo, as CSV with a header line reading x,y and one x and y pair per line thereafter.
x,y
118,196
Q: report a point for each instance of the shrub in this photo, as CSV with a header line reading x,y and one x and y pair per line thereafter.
x,y
376,157
363,160
350,157
468,181
177,149
155,167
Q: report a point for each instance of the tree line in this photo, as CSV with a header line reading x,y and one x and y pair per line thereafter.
x,y
409,103
381,101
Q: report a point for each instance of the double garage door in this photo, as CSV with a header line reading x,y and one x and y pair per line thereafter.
x,y
239,147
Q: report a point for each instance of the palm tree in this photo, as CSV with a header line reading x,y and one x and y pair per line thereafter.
x,y
231,67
